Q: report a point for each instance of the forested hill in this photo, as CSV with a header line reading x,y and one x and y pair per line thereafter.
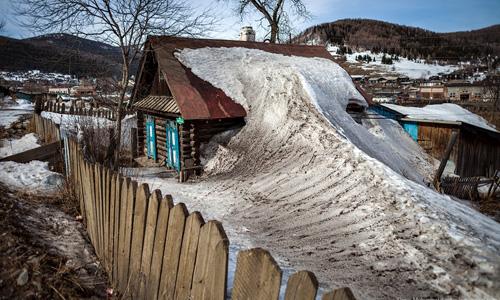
x,y
61,53
405,41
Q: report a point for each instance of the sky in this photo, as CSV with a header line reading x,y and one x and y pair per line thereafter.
x,y
438,16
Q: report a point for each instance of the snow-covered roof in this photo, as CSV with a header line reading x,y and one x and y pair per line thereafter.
x,y
442,112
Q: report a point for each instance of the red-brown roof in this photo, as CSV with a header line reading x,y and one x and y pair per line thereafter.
x,y
198,99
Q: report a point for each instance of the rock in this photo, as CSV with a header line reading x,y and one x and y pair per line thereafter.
x,y
23,277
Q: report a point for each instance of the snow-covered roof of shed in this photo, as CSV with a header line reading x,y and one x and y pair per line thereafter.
x,y
441,112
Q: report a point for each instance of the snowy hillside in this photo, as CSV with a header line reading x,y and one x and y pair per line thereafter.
x,y
412,68
329,195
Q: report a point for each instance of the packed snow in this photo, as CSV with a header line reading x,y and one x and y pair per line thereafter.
x,y
317,190
34,177
13,146
442,112
10,110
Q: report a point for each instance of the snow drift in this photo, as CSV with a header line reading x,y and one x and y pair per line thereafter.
x,y
329,195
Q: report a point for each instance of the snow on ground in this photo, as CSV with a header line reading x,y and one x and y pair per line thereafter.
x,y
33,177
442,112
10,110
403,66
13,146
297,182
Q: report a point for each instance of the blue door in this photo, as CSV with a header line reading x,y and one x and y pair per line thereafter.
x,y
173,146
151,137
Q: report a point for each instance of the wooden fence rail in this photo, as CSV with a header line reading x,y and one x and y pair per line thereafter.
x,y
152,249
62,108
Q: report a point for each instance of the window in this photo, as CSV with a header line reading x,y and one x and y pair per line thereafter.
x,y
452,95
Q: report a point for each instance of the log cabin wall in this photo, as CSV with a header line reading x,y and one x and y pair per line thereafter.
x,y
434,138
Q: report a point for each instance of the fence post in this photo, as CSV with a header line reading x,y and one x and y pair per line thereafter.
x,y
188,255
171,255
302,285
137,240
257,276
149,236
210,271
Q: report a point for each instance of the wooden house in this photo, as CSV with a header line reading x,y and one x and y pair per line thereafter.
x,y
476,150
177,110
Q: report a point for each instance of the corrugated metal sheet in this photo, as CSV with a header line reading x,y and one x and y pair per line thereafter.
x,y
158,103
196,98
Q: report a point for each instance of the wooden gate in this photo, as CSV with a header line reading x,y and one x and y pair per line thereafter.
x,y
173,145
151,137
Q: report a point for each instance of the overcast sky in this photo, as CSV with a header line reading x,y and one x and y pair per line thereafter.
x,y
435,15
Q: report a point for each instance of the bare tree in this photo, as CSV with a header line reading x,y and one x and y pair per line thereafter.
x,y
2,24
123,23
275,13
492,89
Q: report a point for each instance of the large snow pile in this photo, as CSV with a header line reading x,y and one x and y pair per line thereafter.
x,y
298,178
13,146
442,112
33,177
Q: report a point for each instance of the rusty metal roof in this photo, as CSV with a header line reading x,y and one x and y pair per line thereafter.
x,y
198,99
162,104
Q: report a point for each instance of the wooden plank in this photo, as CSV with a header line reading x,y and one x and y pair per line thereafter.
x,y
149,236
129,219
210,271
122,274
302,285
116,230
111,223
51,152
257,276
108,174
172,252
98,200
137,242
188,255
166,205
446,156
339,294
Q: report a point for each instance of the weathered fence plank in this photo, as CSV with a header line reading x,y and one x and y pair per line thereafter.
x,y
116,230
122,265
137,239
210,271
172,252
339,294
257,276
188,256
149,236
302,285
153,283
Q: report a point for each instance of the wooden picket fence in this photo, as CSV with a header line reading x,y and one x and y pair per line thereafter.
x,y
46,129
61,108
152,249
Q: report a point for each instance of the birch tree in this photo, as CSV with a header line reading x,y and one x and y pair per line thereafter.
x,y
122,23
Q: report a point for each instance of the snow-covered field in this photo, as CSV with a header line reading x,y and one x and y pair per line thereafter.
x,y
411,68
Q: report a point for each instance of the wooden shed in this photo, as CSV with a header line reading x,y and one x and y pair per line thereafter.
x,y
177,110
476,150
